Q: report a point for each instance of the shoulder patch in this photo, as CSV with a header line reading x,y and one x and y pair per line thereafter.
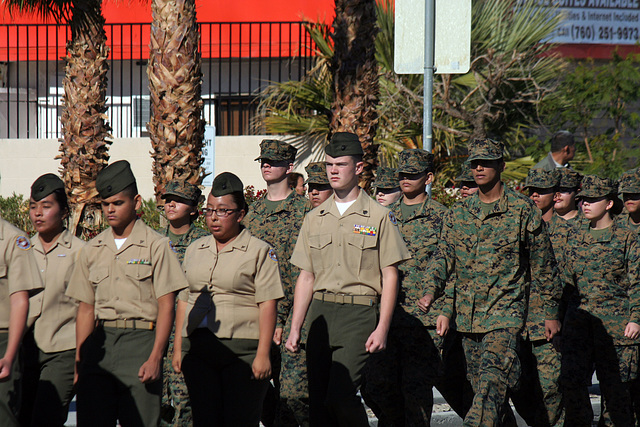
x,y
392,218
23,243
272,255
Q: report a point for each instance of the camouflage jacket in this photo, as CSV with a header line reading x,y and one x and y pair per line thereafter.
x,y
421,233
623,221
606,273
494,257
280,229
180,247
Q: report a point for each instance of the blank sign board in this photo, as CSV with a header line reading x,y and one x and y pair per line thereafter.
x,y
452,39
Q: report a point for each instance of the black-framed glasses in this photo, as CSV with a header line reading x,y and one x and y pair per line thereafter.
x,y
220,213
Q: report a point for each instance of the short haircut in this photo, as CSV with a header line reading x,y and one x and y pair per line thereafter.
x,y
130,190
561,139
292,179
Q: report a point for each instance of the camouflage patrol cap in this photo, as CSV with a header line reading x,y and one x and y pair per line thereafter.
x,y
226,183
344,144
485,149
630,181
569,178
415,161
114,178
386,178
540,178
45,185
465,173
317,173
594,186
183,189
276,150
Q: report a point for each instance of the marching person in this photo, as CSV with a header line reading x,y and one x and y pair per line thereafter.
x,y
318,183
466,184
629,187
386,187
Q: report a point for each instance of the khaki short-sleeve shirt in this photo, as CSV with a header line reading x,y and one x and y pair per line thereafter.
x,y
226,287
346,253
126,283
18,269
55,325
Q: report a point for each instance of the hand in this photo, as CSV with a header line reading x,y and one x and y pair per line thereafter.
x,y
261,368
442,325
293,342
277,336
176,361
149,371
425,302
551,328
377,341
632,330
5,369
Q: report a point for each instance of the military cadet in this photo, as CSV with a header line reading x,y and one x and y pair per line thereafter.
x,y
181,209
48,393
19,277
229,314
398,381
629,187
466,184
318,183
386,186
125,280
565,205
296,183
494,241
276,219
539,398
348,251
563,149
603,262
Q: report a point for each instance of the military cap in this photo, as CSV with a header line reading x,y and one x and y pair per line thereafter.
x,y
386,178
317,173
226,183
344,144
276,150
114,178
184,189
540,178
45,185
630,181
415,161
569,178
594,186
485,149
465,173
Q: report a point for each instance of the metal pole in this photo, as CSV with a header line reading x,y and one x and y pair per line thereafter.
x,y
429,48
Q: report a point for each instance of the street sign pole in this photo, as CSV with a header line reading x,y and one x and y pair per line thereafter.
x,y
429,48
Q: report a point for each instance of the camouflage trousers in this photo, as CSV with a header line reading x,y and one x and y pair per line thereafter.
x,y
294,389
176,407
539,398
587,346
492,367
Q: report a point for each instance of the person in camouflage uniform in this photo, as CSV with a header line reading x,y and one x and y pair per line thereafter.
x,y
318,184
629,187
466,184
386,188
603,263
565,205
398,381
276,218
494,242
181,209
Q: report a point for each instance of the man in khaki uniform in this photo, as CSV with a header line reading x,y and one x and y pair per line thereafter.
x,y
348,252
125,279
18,277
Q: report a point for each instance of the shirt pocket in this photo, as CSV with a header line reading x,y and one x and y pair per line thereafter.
x,y
97,277
141,275
501,255
320,252
362,251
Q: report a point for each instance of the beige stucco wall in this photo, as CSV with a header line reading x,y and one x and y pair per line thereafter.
x,y
23,160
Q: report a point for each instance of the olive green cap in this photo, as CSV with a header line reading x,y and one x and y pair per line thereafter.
x,y
114,178
276,150
630,181
593,186
45,185
344,144
540,178
485,149
465,173
226,183
317,173
184,189
386,178
569,178
415,161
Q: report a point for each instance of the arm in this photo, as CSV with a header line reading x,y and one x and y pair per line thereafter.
x,y
176,362
632,329
17,322
267,323
301,300
150,370
378,339
85,324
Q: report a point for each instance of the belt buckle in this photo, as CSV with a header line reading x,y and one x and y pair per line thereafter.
x,y
341,301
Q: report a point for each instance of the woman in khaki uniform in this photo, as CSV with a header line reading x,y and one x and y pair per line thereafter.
x,y
228,314
46,398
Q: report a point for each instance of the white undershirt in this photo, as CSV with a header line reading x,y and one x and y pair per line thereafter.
x,y
343,206
119,242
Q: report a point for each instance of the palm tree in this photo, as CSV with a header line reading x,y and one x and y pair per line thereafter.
x,y
176,126
85,143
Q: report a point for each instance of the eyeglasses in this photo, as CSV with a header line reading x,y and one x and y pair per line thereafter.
x,y
220,213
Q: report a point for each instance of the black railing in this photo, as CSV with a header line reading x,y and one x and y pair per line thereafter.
x,y
238,60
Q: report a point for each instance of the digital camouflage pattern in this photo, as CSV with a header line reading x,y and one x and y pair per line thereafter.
x,y
594,186
569,178
540,178
465,173
273,149
184,189
415,161
624,220
485,149
316,173
386,178
630,181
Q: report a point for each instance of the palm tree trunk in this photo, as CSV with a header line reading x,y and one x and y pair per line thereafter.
x,y
176,126
355,78
84,150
